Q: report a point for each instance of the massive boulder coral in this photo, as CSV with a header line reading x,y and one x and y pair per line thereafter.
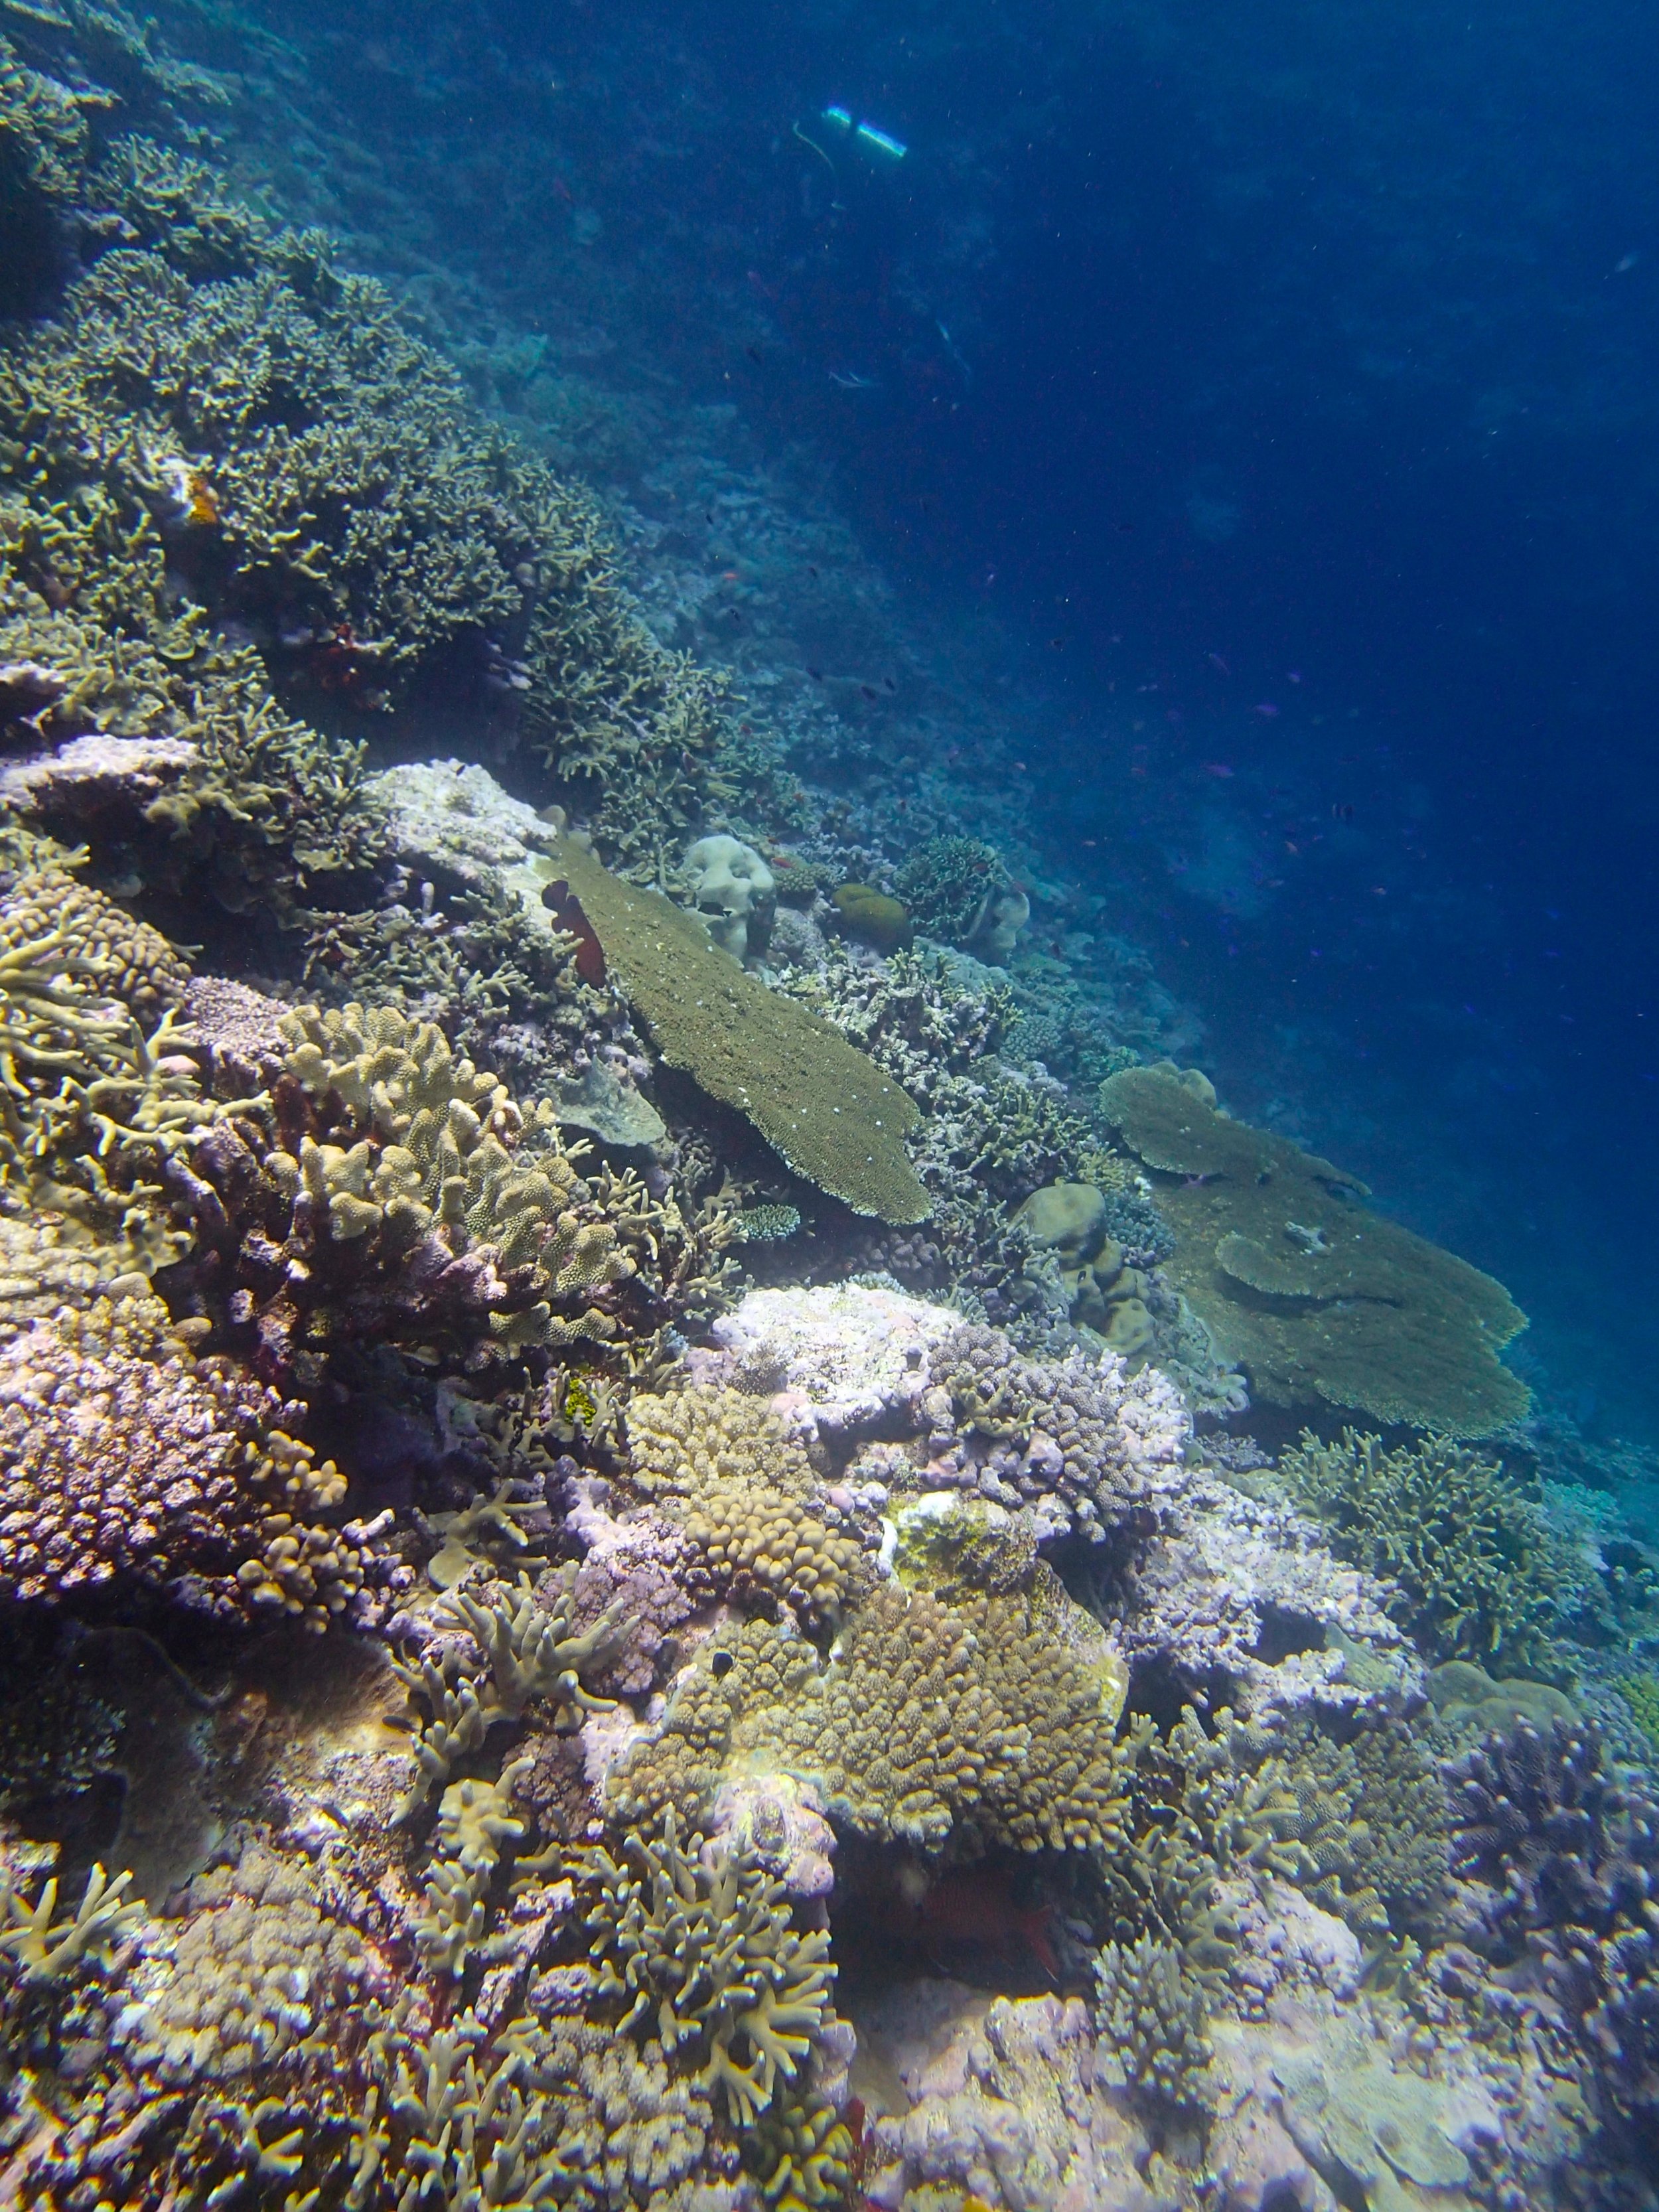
x,y
125,1459
1321,1300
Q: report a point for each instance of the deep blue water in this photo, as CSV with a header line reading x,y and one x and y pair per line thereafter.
x,y
1284,380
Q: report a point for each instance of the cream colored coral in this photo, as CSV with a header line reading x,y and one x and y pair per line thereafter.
x,y
729,1473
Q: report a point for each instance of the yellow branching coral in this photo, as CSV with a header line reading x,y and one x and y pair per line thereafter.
x,y
696,1949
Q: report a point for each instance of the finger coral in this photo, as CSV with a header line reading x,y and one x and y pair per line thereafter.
x,y
390,1192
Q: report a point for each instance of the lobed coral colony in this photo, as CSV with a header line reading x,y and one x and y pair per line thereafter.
x,y
637,1567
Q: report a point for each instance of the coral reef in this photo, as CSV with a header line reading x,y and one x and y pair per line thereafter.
x,y
1152,2012
824,1108
1319,1299
1476,1573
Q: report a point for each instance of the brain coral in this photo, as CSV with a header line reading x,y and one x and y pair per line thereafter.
x,y
1316,1296
829,1112
124,1458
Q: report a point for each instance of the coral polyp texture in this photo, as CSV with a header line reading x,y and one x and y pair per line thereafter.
x,y
1319,1297
624,1411
128,1460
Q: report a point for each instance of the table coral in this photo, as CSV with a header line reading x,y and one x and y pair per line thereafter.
x,y
1320,1299
128,1459
824,1108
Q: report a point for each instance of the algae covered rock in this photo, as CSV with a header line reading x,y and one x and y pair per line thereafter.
x,y
826,1109
1317,1297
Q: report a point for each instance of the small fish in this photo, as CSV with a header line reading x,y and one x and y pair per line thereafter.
x,y
1217,768
1267,709
1216,661
1625,263
1293,675
754,353
1342,810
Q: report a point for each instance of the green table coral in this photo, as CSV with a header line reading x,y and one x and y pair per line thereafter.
x,y
1320,1299
826,1109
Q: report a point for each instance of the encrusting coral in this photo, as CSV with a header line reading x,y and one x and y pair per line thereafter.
x,y
1319,1299
1475,1570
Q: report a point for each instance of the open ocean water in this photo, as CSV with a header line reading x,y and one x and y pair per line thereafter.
x,y
829,1241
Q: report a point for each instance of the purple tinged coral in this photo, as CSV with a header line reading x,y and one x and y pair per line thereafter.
x,y
123,1459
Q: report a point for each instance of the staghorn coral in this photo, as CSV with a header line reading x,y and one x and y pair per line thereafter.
x,y
1477,1574
44,1948
1319,1299
1104,1446
697,1951
729,1475
126,1460
825,1109
1151,2011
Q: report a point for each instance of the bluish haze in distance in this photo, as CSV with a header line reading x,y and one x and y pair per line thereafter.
x,y
1226,359
828,1234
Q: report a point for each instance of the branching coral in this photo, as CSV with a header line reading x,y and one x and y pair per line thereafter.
x,y
390,1192
926,1720
45,1949
949,883
1477,1573
126,1459
1564,1860
1108,1446
1151,2013
697,1951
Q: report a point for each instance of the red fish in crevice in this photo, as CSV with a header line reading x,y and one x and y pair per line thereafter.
x,y
565,908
